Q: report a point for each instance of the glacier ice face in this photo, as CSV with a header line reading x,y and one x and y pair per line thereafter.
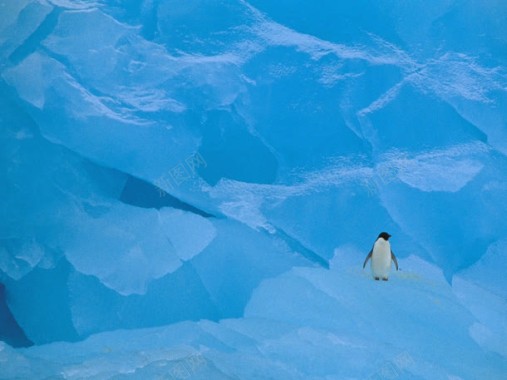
x,y
139,245
482,289
20,20
168,161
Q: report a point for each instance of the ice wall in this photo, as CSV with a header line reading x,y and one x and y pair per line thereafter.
x,y
160,159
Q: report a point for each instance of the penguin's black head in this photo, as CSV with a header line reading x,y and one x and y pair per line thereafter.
x,y
384,235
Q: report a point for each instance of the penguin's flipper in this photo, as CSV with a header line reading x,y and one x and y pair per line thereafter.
x,y
368,258
394,259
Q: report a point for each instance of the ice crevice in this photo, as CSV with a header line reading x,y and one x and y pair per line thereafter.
x,y
140,193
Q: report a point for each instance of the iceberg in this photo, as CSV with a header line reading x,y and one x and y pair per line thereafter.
x,y
189,188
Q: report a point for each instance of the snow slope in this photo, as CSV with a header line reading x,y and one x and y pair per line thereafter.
x,y
308,323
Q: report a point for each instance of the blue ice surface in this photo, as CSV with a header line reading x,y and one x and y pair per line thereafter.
x,y
189,188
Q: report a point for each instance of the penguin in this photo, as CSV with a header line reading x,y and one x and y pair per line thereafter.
x,y
381,256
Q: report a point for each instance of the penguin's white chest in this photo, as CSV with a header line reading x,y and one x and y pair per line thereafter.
x,y
381,259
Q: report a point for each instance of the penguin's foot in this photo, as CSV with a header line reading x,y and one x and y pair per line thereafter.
x,y
377,278
385,279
